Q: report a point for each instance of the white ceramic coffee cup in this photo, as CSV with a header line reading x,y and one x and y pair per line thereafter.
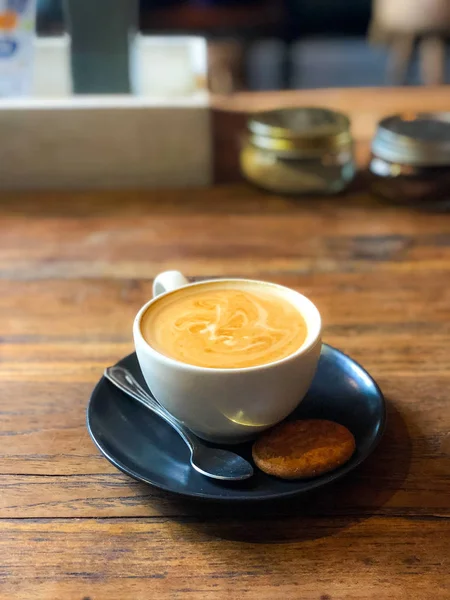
x,y
229,405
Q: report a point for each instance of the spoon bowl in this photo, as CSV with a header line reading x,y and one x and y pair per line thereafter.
x,y
220,464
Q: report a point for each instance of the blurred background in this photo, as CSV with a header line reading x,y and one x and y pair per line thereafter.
x,y
278,44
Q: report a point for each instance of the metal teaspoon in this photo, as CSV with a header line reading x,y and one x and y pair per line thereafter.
x,y
211,462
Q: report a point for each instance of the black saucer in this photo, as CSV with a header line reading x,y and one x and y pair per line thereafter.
x,y
142,445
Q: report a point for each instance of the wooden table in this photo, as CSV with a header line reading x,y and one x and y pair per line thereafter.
x,y
74,269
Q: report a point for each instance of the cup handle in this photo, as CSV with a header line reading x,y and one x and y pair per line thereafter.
x,y
168,281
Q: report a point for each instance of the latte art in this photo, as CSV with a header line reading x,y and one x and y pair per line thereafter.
x,y
224,327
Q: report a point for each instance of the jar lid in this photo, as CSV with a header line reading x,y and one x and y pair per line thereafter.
x,y
421,139
299,130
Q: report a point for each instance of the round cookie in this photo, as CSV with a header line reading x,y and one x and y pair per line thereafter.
x,y
303,449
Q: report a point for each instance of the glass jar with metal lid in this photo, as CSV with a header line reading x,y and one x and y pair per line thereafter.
x,y
299,151
410,161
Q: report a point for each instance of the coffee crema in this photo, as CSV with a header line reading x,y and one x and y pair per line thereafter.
x,y
224,326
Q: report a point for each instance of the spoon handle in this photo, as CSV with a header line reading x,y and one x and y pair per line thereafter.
x,y
125,381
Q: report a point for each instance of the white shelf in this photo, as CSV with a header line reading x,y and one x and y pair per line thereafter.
x,y
57,140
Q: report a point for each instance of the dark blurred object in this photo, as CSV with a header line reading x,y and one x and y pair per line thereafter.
x,y
101,33
328,17
336,62
328,44
229,26
221,2
410,161
276,44
251,17
49,17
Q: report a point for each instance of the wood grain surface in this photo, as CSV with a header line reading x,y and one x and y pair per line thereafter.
x,y
75,268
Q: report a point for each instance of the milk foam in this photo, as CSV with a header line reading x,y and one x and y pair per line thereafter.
x,y
224,327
